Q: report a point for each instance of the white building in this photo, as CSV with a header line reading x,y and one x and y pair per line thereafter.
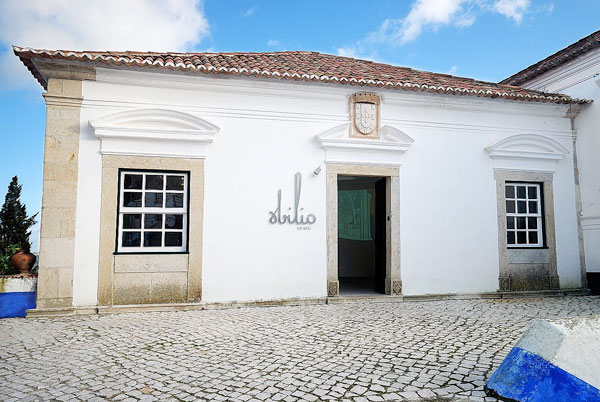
x,y
200,178
575,71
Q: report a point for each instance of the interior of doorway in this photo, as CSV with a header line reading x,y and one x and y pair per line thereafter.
x,y
361,235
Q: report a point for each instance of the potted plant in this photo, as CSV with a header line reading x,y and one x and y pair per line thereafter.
x,y
17,285
22,261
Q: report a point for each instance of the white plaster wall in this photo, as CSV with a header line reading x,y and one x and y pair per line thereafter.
x,y
87,227
449,239
580,78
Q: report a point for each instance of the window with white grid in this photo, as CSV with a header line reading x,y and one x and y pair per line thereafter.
x,y
153,211
524,215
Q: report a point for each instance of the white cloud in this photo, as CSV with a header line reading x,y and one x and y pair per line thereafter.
x,y
452,70
347,51
512,8
250,11
158,25
273,43
431,15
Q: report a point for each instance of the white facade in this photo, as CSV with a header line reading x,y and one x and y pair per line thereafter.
x,y
264,131
580,77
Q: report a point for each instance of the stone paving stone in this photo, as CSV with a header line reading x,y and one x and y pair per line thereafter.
x,y
352,352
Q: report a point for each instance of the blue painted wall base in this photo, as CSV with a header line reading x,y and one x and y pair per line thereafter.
x,y
16,304
524,376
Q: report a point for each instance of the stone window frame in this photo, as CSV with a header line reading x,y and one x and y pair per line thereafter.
x,y
185,211
546,180
119,274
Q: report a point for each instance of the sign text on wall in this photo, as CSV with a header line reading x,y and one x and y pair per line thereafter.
x,y
295,216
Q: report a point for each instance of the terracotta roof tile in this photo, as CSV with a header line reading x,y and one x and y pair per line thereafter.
x,y
299,66
559,58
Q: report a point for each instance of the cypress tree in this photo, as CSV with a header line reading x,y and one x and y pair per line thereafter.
x,y
14,222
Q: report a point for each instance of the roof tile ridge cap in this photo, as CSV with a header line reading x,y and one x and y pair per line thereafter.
x,y
337,56
242,53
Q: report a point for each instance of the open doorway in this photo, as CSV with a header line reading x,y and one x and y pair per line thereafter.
x,y
361,235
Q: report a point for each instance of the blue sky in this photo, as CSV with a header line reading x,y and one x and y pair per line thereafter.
x,y
483,39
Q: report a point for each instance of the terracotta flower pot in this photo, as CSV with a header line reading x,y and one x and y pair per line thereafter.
x,y
23,262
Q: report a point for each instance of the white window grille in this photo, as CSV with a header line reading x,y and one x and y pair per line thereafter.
x,y
153,212
524,224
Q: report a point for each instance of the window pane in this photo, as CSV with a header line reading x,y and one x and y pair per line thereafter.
x,y
532,223
132,199
174,200
510,207
532,192
133,181
173,221
132,221
510,192
154,182
521,192
131,239
152,239
173,239
521,223
510,222
533,209
154,200
510,238
521,237
153,221
522,207
175,183
533,237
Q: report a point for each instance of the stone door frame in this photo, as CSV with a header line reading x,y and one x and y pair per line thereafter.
x,y
393,282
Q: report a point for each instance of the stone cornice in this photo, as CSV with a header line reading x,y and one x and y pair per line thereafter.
x,y
341,148
62,100
154,132
43,70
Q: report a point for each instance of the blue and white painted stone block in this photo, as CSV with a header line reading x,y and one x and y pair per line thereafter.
x,y
556,360
17,295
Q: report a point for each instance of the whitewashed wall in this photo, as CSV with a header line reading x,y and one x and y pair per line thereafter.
x,y
580,78
449,238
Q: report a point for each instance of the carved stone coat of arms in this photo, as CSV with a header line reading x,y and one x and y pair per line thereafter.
x,y
364,111
365,117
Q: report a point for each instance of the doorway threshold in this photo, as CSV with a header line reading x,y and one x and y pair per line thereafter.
x,y
368,298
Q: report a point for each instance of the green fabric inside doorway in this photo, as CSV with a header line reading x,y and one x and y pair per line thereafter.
x,y
354,214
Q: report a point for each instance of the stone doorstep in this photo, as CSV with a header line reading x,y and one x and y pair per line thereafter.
x,y
139,308
61,311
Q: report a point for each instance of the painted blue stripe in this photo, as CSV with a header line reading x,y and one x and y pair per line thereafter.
x,y
526,377
16,304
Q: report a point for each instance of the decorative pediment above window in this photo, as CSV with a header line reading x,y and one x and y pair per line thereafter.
x,y
340,147
154,132
527,151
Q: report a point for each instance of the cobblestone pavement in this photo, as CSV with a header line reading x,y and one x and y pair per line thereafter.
x,y
434,350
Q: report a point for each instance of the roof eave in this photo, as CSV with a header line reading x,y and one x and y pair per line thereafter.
x,y
27,61
60,56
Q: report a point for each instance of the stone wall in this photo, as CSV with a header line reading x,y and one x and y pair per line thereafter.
x,y
59,200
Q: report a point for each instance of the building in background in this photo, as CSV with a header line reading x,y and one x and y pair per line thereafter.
x,y
575,71
216,177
